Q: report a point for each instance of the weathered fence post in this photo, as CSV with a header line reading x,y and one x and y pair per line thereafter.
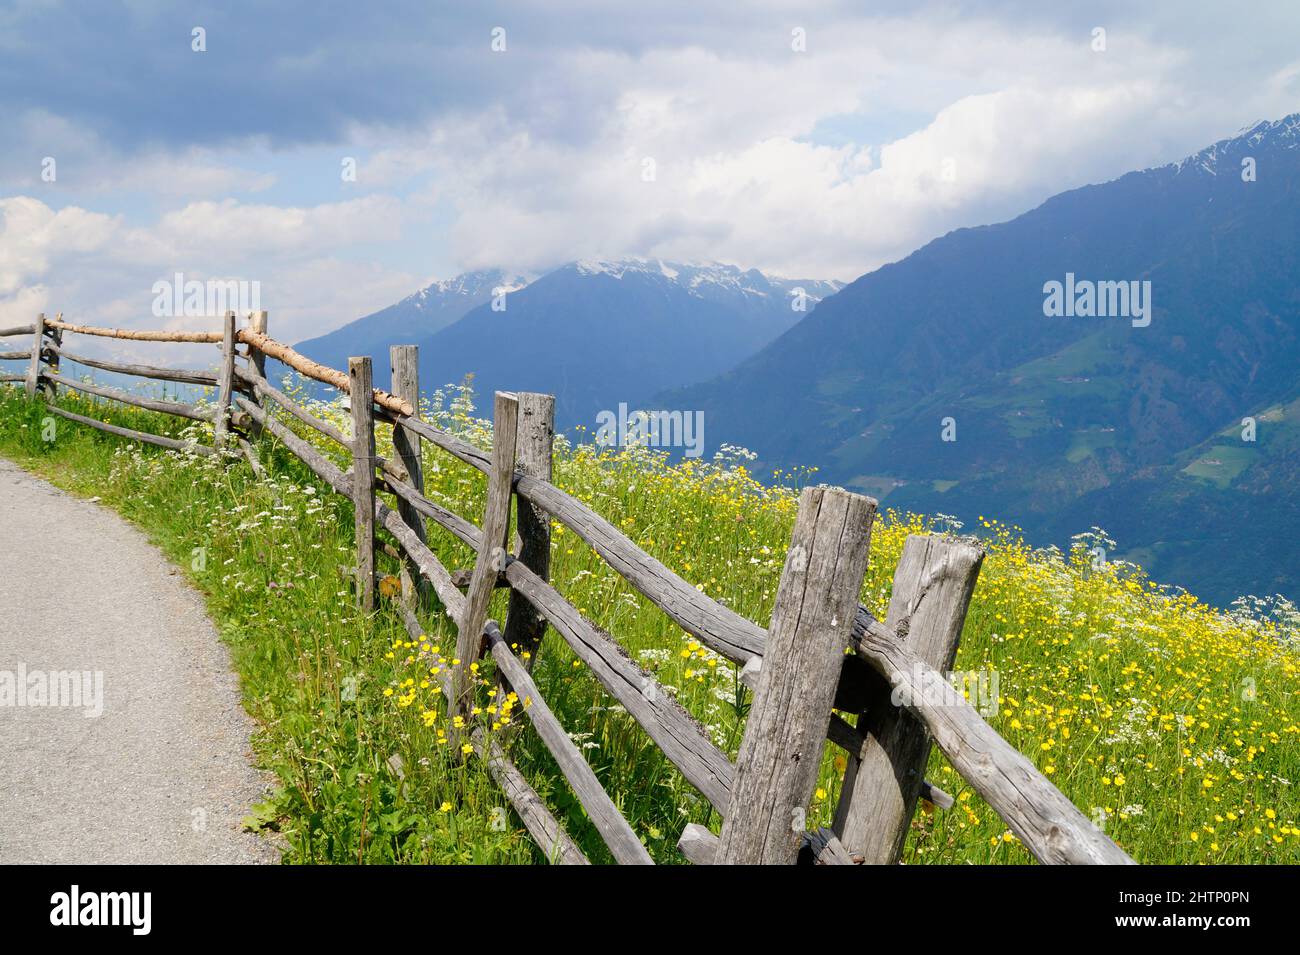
x,y
225,381
56,341
536,441
361,388
780,753
932,589
491,555
257,322
34,370
405,361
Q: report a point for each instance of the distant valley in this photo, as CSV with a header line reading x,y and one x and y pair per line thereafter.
x,y
1059,422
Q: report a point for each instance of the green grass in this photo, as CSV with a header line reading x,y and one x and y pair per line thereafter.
x,y
265,554
1170,723
1085,442
877,486
1221,464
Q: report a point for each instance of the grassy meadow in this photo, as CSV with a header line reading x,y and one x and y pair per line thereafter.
x,y
1174,725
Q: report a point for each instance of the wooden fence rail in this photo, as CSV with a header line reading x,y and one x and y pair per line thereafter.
x,y
825,668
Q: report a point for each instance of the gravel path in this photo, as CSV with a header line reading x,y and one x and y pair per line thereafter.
x,y
163,774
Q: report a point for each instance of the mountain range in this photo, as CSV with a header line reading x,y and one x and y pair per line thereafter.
x,y
418,315
951,382
1126,355
594,333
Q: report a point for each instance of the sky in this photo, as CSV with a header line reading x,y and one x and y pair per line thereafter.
x,y
810,140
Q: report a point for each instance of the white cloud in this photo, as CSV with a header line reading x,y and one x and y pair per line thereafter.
x,y
32,234
888,131
1016,114
229,228
20,307
84,161
98,269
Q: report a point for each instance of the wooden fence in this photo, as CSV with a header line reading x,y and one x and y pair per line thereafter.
x,y
824,669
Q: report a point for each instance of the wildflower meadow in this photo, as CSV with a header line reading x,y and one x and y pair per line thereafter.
x,y
1174,725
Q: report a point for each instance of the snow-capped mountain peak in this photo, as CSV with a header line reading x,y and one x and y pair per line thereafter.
x,y
473,284
1227,154
705,279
